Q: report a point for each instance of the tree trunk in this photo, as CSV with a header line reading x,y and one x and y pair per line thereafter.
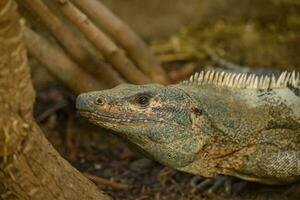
x,y
29,166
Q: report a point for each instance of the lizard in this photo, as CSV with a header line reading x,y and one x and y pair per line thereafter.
x,y
216,123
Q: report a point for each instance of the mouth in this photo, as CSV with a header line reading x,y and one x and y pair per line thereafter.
x,y
108,117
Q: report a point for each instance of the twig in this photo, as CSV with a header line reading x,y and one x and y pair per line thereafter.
x,y
224,63
103,43
69,139
59,64
100,180
161,48
122,33
172,57
50,111
71,43
183,72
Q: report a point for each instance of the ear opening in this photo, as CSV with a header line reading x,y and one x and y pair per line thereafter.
x,y
196,117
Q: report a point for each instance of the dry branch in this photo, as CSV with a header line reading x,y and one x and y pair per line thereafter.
x,y
103,43
71,43
121,32
59,64
103,181
224,63
183,72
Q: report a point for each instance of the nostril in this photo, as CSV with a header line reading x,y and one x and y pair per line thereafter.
x,y
99,101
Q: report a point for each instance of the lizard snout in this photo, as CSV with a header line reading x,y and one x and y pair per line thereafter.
x,y
83,102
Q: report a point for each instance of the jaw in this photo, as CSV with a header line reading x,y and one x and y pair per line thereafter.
x,y
118,123
111,117
163,146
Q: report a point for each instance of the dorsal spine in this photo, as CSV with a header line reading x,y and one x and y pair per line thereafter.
x,y
244,80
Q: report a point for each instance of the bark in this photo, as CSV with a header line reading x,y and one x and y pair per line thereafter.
x,y
29,166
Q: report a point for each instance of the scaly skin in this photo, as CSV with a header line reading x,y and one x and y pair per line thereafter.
x,y
207,129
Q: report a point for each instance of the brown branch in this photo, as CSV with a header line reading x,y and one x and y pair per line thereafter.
x,y
172,57
103,43
224,63
71,43
72,150
30,168
103,181
50,111
121,32
59,64
183,72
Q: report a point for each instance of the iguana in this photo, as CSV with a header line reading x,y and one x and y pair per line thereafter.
x,y
241,125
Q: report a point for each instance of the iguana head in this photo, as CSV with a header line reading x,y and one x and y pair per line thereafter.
x,y
155,118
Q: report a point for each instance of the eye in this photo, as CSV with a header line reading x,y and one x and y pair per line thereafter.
x,y
99,101
142,100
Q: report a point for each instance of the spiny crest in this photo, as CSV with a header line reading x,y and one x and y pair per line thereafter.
x,y
244,80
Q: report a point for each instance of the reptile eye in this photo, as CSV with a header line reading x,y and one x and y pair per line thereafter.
x,y
142,100
99,101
